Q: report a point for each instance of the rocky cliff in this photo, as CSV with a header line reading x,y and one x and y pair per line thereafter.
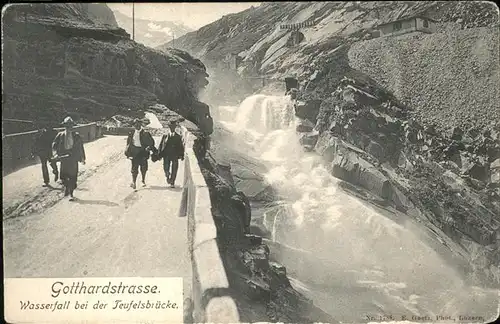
x,y
367,138
61,59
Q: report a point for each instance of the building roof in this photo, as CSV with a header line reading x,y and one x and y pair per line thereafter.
x,y
408,18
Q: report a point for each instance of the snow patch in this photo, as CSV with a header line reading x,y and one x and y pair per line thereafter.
x,y
158,28
154,26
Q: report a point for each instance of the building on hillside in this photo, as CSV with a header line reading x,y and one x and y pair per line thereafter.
x,y
407,25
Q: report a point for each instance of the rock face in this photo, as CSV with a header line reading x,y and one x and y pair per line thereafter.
x,y
369,139
421,70
72,59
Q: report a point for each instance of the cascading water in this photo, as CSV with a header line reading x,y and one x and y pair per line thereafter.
x,y
352,259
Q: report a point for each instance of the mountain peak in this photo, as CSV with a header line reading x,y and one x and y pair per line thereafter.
x,y
151,32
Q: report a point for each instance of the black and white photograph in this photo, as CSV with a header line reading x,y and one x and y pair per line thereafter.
x,y
251,162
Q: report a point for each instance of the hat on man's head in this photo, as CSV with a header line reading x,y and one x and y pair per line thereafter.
x,y
136,121
68,121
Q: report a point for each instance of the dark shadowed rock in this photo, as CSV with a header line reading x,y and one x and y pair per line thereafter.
x,y
307,109
478,171
224,169
457,134
376,150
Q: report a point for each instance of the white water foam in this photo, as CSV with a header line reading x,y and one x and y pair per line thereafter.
x,y
154,122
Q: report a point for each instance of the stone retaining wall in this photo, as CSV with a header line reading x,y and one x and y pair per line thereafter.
x,y
17,148
211,299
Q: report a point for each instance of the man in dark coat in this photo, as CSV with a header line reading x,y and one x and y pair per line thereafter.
x,y
43,149
68,148
139,144
171,150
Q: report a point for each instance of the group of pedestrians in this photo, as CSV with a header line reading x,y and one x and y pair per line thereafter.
x,y
141,146
66,147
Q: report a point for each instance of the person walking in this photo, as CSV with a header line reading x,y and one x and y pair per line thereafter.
x,y
139,144
171,149
68,148
43,149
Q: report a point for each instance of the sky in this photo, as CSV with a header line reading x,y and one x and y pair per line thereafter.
x,y
193,15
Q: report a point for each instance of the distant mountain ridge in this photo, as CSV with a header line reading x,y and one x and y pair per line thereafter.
x,y
149,32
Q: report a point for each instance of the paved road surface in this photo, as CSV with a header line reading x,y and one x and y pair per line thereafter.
x,y
109,231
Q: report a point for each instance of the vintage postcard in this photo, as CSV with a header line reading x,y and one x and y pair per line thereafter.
x,y
251,162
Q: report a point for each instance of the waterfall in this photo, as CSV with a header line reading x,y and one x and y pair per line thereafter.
x,y
360,258
261,113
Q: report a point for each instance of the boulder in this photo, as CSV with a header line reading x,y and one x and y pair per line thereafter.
x,y
457,134
478,171
359,97
454,182
308,109
326,146
354,169
430,130
308,140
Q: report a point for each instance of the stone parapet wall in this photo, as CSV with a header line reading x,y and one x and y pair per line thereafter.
x,y
17,148
211,299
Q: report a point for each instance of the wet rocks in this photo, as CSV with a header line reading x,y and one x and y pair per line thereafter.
x,y
309,140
